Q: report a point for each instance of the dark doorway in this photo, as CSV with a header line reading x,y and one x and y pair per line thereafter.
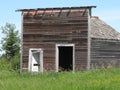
x,y
65,58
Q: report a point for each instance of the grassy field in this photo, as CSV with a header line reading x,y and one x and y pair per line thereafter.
x,y
101,79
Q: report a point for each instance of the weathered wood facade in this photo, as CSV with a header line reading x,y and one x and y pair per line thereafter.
x,y
50,28
105,53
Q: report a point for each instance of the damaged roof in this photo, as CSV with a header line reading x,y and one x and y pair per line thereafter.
x,y
99,29
56,8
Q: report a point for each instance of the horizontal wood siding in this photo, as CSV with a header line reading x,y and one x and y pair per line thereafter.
x,y
47,31
105,53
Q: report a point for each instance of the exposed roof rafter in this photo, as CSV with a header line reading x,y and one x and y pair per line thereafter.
x,y
57,8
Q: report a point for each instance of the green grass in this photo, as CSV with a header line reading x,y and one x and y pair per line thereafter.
x,y
101,79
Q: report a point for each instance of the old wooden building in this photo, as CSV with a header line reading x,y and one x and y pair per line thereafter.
x,y
105,45
58,39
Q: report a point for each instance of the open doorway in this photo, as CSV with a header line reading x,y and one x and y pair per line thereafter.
x,y
35,60
65,57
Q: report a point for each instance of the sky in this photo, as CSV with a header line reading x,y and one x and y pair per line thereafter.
x,y
107,10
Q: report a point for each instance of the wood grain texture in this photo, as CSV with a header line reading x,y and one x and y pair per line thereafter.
x,y
105,53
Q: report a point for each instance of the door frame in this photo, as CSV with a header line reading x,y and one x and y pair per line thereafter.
x,y
30,59
57,55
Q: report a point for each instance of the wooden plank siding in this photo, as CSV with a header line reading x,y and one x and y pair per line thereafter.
x,y
46,30
105,53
